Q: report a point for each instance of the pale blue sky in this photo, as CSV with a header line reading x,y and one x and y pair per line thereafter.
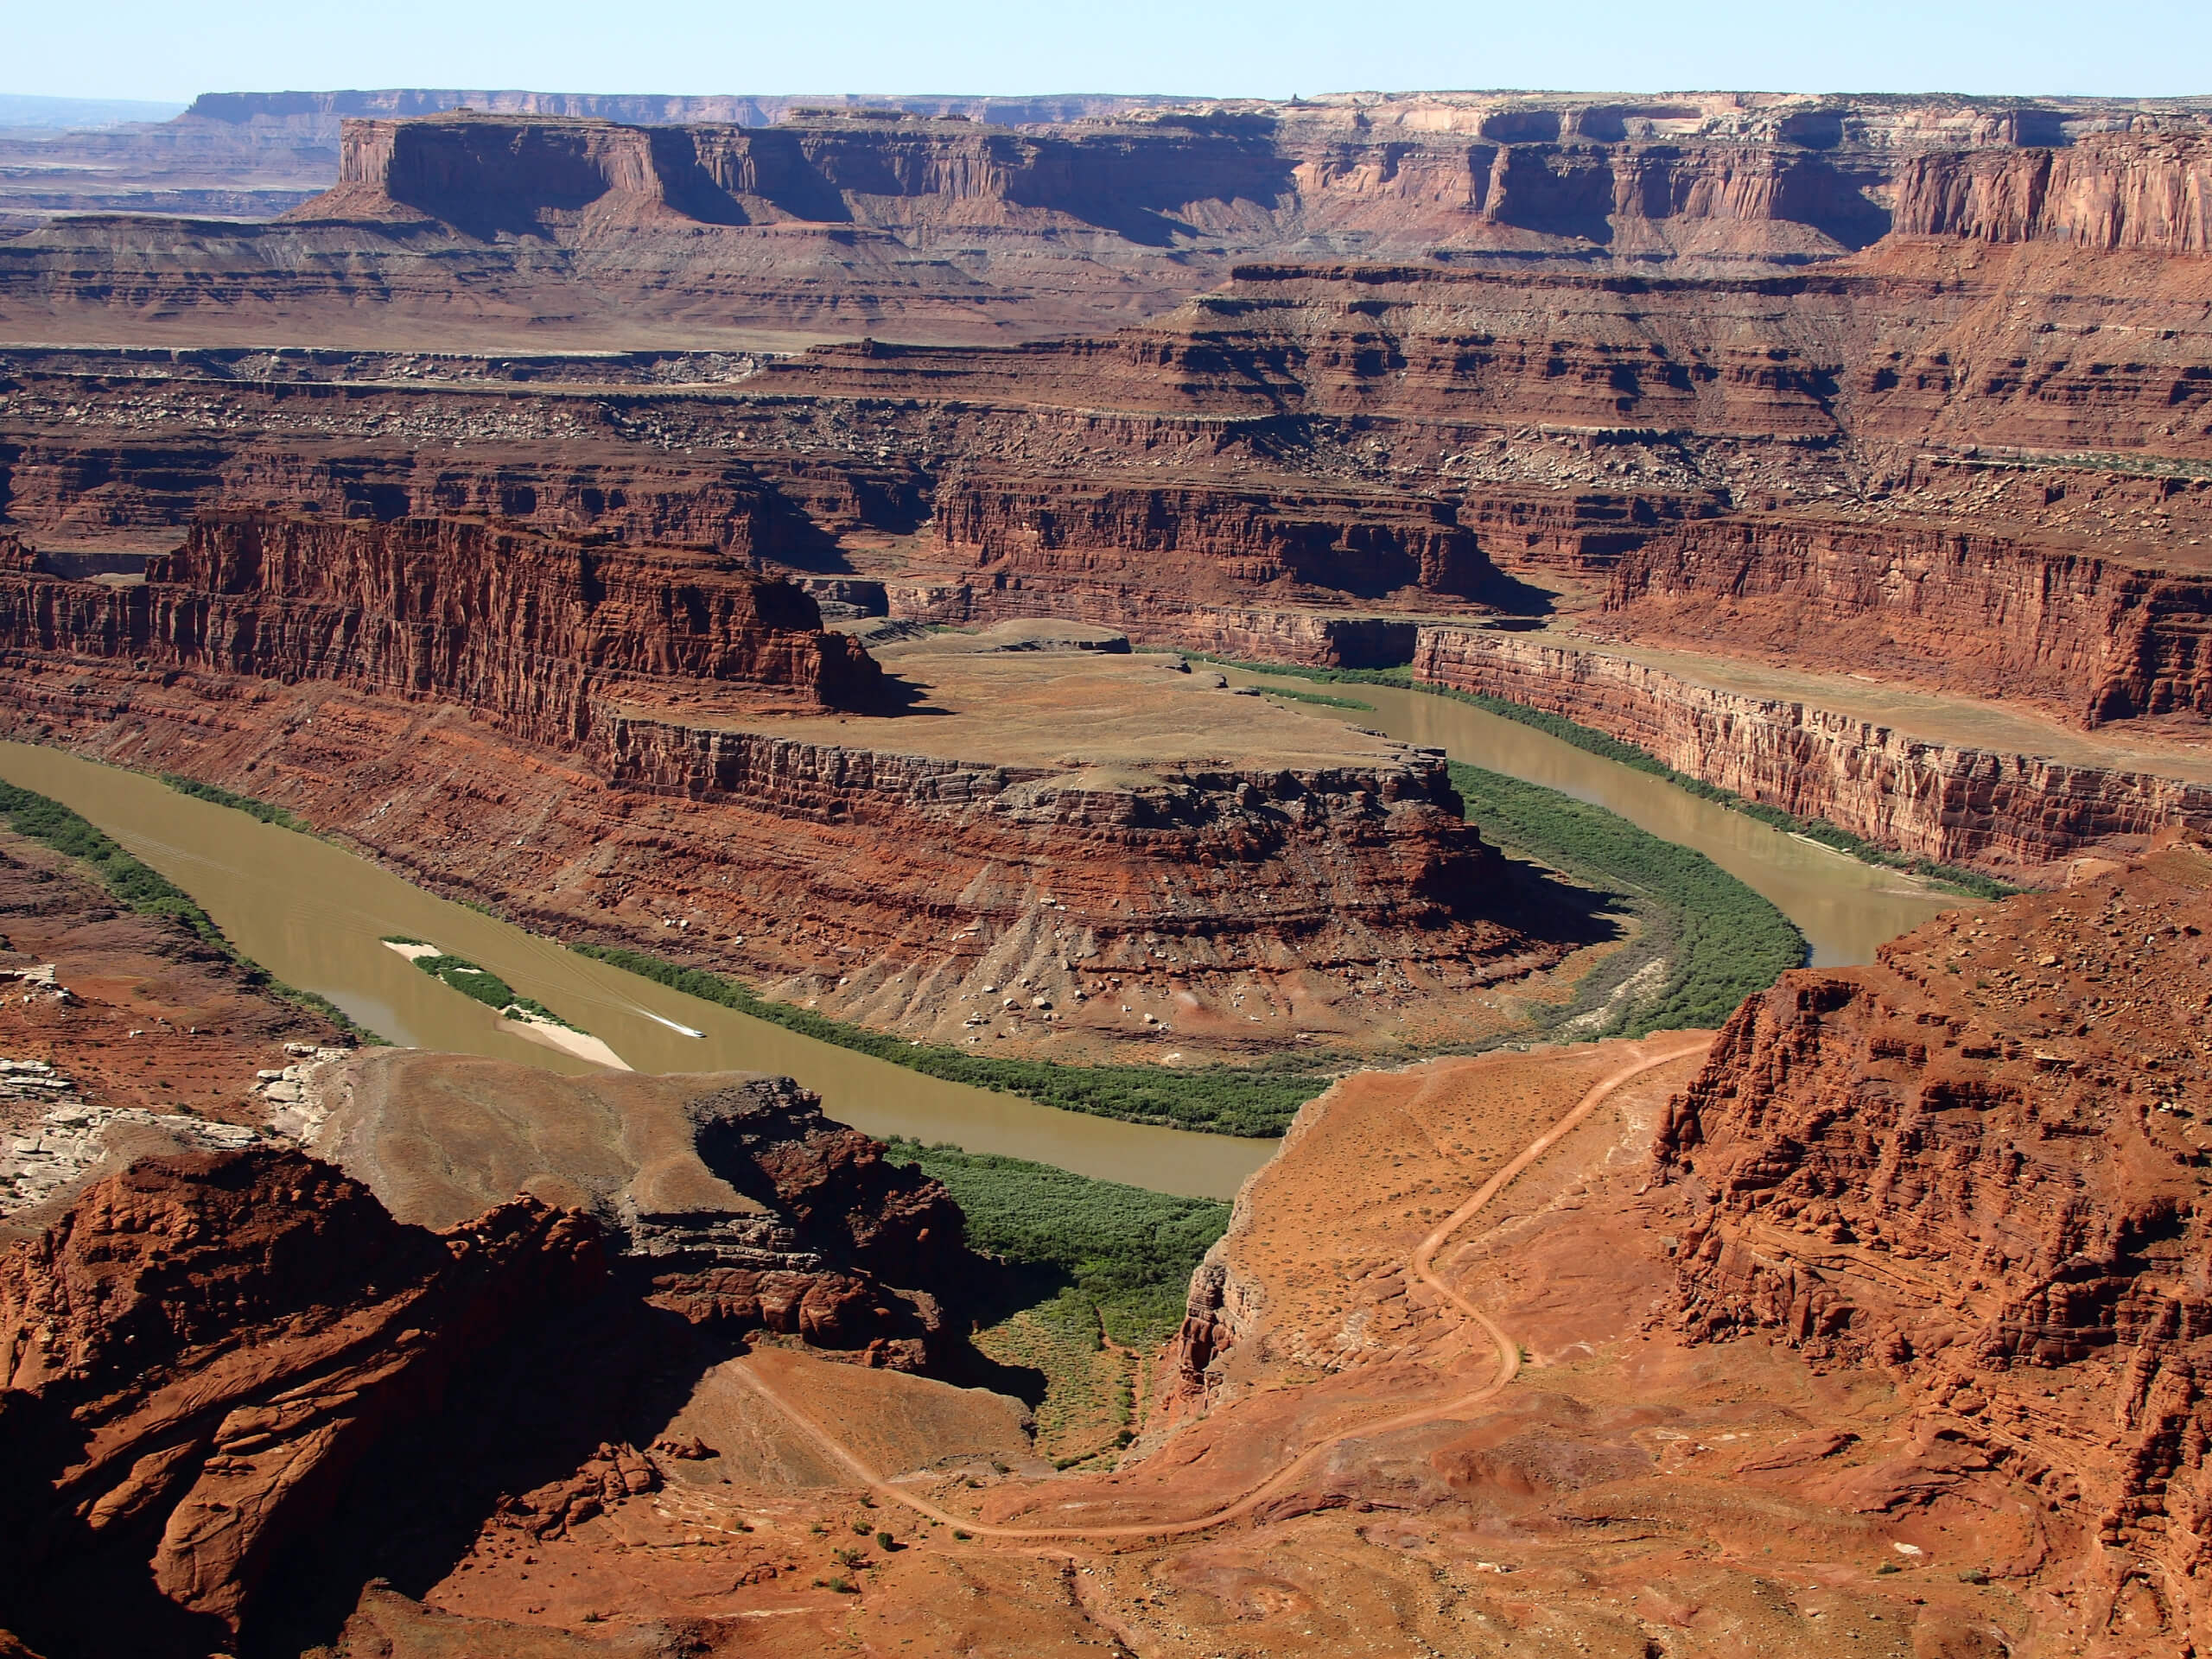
x,y
160,49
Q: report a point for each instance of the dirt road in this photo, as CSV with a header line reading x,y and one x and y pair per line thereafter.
x,y
1423,1267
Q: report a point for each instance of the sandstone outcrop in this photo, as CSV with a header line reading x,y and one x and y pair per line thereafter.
x,y
1311,463
1950,803
731,1200
1977,1164
203,1350
214,1366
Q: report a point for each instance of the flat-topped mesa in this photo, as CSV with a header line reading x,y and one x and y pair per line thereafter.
x,y
1974,1162
1658,181
489,174
949,229
528,630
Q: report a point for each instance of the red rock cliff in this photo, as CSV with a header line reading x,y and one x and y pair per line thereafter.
x,y
2092,634
529,631
2151,193
1978,1163
205,1348
1954,805
1337,542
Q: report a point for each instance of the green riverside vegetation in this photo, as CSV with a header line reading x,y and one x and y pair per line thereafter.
x,y
1321,698
481,984
140,887
1721,941
1402,674
1254,1100
267,811
1124,1251
1589,739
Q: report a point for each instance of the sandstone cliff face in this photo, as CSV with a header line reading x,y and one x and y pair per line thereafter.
x,y
2151,193
1365,546
1954,805
528,631
207,1346
1255,843
1978,1163
2090,634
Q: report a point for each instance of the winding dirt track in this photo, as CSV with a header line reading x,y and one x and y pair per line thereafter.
x,y
1423,1267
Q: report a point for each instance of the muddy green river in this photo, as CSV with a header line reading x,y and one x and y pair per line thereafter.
x,y
315,916
1843,907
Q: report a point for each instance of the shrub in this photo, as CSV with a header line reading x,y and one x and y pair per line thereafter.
x,y
1726,942
267,811
1125,1251
1254,1100
142,888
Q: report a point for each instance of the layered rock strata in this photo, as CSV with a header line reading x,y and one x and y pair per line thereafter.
x,y
201,1352
2107,191
528,631
1977,1164
2090,633
1952,804
843,221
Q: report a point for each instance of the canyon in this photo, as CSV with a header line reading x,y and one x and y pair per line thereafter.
x,y
1875,1312
837,546
590,733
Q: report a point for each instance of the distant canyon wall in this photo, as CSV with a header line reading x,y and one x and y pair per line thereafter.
x,y
2151,193
2089,632
1951,803
1241,177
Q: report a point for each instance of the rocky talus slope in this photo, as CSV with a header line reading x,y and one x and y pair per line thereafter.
x,y
1979,1164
